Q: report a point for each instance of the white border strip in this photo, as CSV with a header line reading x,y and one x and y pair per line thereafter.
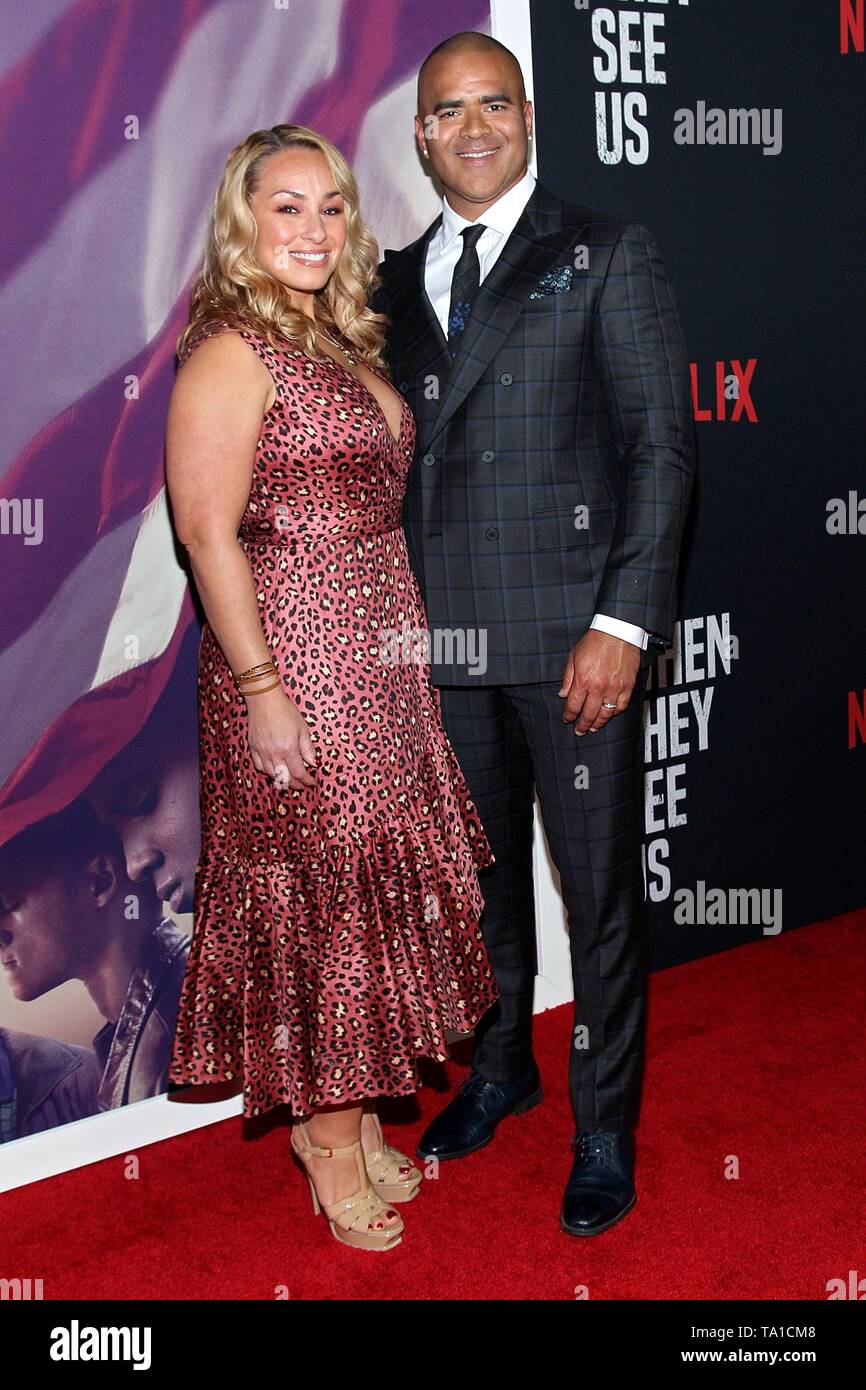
x,y
510,24
124,1130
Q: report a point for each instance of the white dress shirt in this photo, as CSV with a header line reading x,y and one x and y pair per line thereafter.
x,y
444,251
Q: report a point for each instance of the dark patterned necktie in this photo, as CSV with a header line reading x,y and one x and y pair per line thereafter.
x,y
464,284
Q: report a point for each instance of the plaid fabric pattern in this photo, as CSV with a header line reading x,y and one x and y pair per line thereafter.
x,y
511,742
555,450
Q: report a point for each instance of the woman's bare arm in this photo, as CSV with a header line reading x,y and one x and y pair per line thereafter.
x,y
214,420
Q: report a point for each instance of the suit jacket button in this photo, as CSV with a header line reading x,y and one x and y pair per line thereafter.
x,y
488,456
429,459
506,378
491,533
404,387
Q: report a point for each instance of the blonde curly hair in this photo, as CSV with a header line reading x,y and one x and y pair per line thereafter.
x,y
232,287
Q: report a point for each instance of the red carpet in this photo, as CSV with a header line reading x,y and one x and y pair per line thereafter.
x,y
756,1052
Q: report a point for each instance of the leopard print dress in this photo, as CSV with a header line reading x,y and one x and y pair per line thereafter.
x,y
336,928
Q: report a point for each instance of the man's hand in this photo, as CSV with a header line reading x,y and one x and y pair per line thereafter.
x,y
600,670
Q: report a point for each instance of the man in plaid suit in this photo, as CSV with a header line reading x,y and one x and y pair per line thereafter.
x,y
538,345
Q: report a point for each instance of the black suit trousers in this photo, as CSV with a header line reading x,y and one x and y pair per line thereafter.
x,y
510,741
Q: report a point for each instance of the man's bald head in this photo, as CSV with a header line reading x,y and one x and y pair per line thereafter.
x,y
470,41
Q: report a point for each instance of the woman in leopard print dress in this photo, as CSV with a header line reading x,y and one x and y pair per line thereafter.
x,y
336,924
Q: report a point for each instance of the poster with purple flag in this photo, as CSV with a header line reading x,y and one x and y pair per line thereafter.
x,y
116,122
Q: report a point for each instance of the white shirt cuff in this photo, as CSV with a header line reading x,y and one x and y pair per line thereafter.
x,y
617,628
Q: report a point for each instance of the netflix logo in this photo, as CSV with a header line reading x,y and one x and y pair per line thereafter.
x,y
851,26
725,391
856,718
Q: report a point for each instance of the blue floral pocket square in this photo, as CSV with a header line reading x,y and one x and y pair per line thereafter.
x,y
556,281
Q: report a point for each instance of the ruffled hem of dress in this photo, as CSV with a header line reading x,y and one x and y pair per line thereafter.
x,y
323,981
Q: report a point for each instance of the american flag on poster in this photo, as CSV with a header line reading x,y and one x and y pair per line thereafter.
x,y
115,120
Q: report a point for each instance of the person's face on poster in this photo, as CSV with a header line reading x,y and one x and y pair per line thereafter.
x,y
153,804
473,125
47,933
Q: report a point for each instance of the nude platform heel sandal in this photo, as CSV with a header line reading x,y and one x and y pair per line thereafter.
x,y
384,1167
351,1219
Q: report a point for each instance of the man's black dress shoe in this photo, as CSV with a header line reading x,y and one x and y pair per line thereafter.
x,y
469,1121
600,1189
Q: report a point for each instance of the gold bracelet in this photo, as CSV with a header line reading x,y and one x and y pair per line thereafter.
x,y
254,674
263,677
262,689
263,668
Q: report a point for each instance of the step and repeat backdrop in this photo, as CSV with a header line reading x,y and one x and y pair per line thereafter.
x,y
732,131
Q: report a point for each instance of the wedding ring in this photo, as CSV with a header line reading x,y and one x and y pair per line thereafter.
x,y
605,705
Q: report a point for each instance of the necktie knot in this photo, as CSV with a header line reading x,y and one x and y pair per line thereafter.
x,y
464,283
471,234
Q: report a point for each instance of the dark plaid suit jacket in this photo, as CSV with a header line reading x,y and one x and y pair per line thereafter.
x,y
555,454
